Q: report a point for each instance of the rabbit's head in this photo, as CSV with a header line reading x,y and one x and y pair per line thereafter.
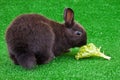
x,y
75,33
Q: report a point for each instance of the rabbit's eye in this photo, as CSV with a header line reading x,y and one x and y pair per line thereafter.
x,y
78,32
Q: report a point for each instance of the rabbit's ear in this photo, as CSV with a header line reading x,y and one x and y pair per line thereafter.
x,y
69,17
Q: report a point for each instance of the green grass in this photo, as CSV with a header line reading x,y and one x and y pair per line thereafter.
x,y
101,19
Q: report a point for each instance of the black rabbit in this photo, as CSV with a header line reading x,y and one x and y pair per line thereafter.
x,y
33,39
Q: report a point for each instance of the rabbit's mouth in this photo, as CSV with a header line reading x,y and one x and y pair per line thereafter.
x,y
79,44
84,42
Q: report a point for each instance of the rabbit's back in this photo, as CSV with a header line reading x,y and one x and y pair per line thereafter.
x,y
32,30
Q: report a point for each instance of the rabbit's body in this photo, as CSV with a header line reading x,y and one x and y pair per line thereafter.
x,y
33,39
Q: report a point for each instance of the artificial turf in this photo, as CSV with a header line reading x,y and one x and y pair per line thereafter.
x,y
100,18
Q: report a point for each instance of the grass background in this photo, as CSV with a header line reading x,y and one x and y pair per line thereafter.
x,y
101,19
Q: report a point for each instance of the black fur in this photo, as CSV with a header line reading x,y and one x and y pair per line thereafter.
x,y
33,39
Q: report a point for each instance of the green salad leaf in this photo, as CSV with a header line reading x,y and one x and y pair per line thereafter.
x,y
90,50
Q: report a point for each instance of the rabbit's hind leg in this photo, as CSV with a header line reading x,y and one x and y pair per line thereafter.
x,y
43,58
12,56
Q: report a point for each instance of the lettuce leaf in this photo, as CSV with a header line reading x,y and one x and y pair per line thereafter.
x,y
90,50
